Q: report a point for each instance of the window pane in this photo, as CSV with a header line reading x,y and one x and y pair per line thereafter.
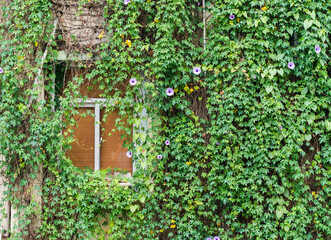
x,y
82,151
112,154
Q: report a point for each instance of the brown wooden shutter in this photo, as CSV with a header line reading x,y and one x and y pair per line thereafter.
x,y
82,149
112,154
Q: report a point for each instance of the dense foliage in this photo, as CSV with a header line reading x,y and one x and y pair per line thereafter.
x,y
240,150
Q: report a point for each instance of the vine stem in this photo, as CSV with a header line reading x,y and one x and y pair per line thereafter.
x,y
42,63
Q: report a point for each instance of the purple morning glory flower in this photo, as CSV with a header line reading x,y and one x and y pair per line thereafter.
x,y
254,76
126,2
291,65
217,143
232,17
133,81
167,142
317,49
159,156
280,128
216,238
197,70
170,92
1,70
129,154
209,239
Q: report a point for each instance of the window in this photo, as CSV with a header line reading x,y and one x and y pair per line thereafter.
x,y
93,146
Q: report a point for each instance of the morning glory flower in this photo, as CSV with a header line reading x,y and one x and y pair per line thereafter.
x,y
317,49
232,17
217,143
170,92
126,2
291,65
254,76
1,70
209,239
167,142
197,70
216,238
129,154
280,128
133,81
159,156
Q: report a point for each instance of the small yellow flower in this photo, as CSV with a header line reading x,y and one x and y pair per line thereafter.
x,y
264,8
173,226
128,42
161,230
151,232
101,34
313,193
238,19
188,163
218,224
156,21
122,36
176,90
314,221
36,44
173,221
268,50
20,57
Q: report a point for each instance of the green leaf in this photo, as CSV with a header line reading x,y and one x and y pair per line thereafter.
x,y
142,199
269,89
307,23
281,72
290,30
143,137
273,72
279,213
296,16
328,125
133,208
308,137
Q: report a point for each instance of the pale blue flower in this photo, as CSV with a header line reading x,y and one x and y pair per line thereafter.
x,y
291,65
133,81
317,49
197,70
129,154
170,92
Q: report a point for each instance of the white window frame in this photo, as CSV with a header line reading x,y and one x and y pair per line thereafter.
x,y
96,103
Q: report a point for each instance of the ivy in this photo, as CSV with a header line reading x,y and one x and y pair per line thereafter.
x,y
238,137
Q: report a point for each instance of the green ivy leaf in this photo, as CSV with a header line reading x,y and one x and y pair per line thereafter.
x,y
307,23
269,89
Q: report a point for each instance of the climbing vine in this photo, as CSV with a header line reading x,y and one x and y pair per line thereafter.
x,y
237,99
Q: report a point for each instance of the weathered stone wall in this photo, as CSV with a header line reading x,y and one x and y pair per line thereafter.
x,y
85,23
